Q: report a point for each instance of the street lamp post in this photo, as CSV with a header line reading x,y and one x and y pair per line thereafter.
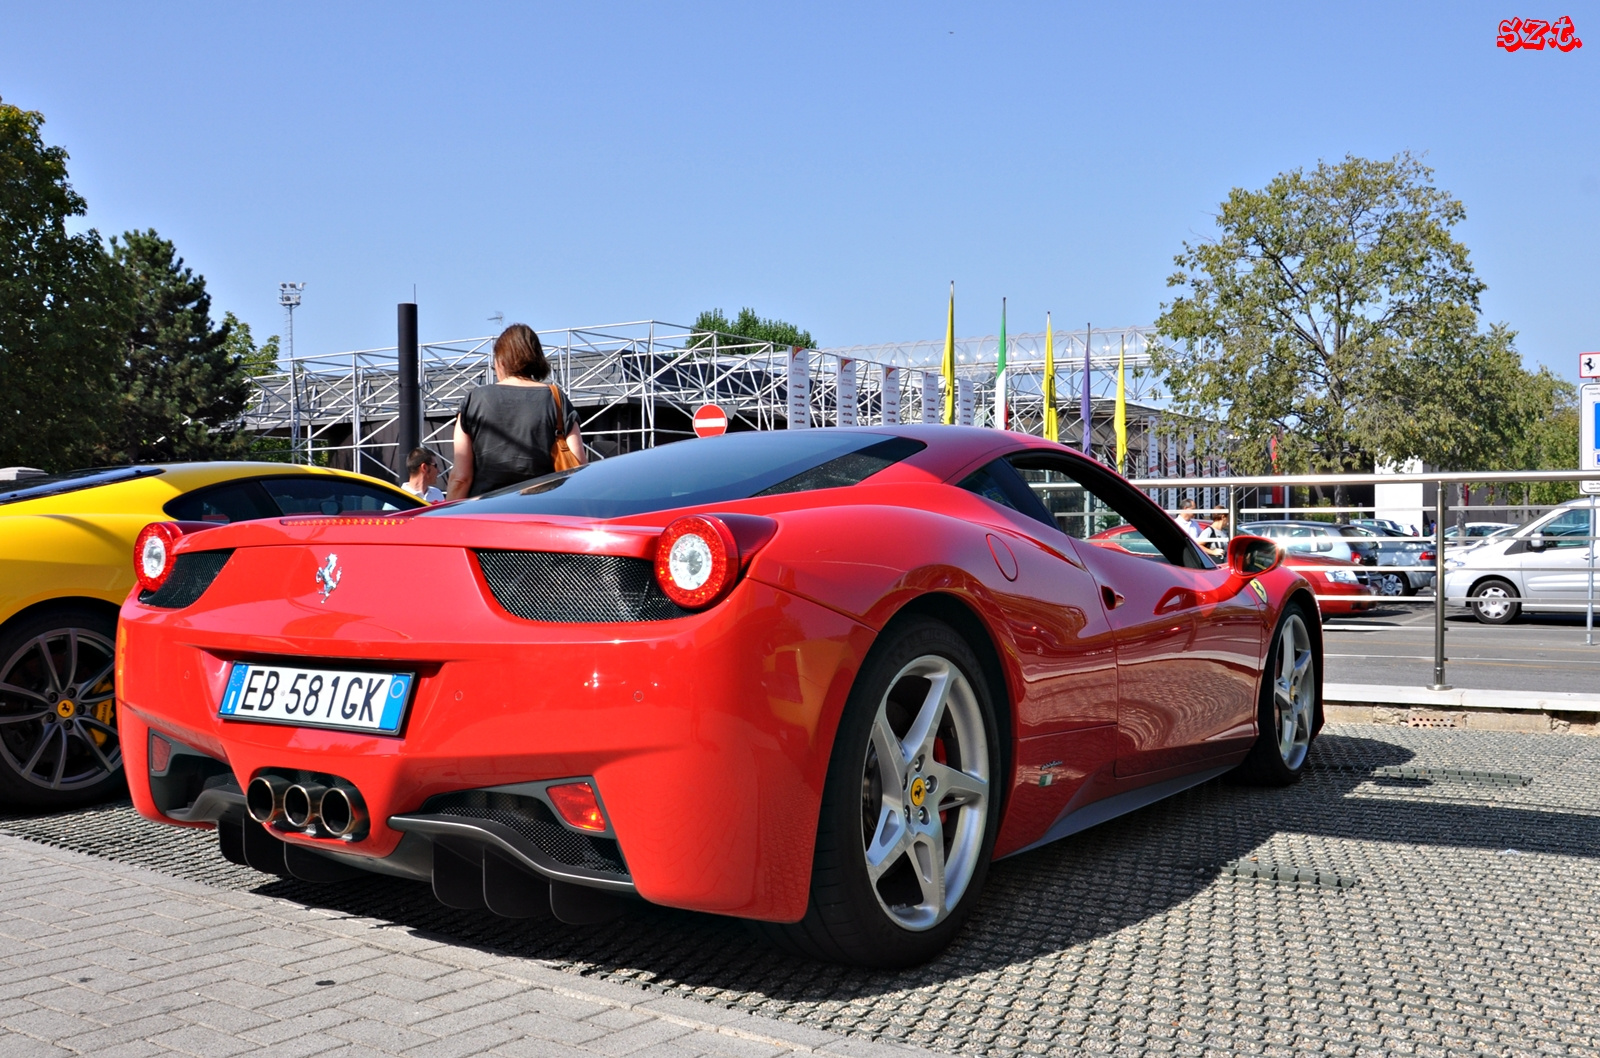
x,y
289,298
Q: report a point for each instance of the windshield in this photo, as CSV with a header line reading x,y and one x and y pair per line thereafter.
x,y
707,470
55,484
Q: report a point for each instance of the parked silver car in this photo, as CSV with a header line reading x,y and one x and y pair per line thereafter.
x,y
1544,566
1401,566
1405,562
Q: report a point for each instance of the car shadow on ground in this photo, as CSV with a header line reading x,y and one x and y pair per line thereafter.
x,y
1069,893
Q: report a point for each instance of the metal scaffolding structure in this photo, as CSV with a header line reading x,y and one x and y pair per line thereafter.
x,y
637,385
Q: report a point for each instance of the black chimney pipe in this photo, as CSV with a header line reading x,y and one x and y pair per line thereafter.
x,y
410,425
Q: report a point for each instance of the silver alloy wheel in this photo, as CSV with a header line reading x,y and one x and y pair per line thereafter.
x,y
925,793
57,710
1392,584
1294,691
1493,601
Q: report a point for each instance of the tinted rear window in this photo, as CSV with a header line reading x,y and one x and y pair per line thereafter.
x,y
708,470
240,501
316,494
34,486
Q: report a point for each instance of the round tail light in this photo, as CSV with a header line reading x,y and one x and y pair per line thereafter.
x,y
697,561
152,554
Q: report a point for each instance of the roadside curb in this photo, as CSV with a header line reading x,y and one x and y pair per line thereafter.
x,y
1464,707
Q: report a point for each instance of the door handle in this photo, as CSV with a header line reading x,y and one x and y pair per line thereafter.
x,y
1177,599
1113,598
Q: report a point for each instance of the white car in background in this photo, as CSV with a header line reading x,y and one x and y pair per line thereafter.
x,y
1542,567
1474,533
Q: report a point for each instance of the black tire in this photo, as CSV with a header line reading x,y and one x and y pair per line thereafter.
x,y
1279,755
1392,584
64,752
1495,602
850,919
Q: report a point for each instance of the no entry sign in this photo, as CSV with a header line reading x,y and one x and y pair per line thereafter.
x,y
710,420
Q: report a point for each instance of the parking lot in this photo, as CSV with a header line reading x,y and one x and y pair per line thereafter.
x,y
1393,645
1421,892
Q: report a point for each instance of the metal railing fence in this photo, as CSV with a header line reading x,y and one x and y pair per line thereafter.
x,y
1224,494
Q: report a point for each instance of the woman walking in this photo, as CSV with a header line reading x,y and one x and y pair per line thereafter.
x,y
518,428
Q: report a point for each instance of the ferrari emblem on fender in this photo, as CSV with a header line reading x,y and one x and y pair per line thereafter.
x,y
1261,592
919,791
328,577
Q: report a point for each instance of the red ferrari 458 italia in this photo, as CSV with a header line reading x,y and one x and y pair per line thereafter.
x,y
817,679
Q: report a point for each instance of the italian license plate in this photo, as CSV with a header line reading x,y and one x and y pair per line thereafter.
x,y
332,698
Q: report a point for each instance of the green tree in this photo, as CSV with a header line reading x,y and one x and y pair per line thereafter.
x,y
61,307
261,360
1457,400
1549,440
1329,300
749,325
257,360
181,387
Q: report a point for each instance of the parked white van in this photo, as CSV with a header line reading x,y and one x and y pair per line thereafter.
x,y
1542,567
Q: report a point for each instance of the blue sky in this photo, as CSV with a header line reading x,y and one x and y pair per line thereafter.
x,y
834,165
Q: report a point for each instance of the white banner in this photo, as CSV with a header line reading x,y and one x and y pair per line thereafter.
x,y
799,389
846,392
966,401
891,396
932,403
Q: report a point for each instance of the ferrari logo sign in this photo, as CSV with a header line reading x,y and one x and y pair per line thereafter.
x,y
1589,365
1261,592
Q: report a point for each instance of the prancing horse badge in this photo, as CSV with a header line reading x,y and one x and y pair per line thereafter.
x,y
328,577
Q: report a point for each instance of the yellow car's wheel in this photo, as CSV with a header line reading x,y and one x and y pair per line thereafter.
x,y
58,724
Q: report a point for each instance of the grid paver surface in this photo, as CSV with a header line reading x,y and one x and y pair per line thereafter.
x,y
1470,928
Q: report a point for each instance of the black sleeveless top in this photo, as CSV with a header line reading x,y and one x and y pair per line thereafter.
x,y
512,429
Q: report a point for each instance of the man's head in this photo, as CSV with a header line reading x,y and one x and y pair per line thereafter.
x,y
423,468
1186,510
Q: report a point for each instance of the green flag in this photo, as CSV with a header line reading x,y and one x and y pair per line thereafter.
x,y
1001,411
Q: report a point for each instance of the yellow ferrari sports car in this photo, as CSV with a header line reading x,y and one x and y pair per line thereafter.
x,y
66,565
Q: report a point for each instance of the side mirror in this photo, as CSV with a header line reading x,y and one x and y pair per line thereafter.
x,y
1536,542
1250,556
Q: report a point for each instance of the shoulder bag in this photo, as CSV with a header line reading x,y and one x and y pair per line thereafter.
x,y
561,453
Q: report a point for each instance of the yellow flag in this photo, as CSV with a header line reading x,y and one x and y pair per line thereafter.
x,y
1121,420
948,367
1052,425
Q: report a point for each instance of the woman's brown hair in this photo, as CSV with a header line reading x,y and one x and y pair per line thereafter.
x,y
519,353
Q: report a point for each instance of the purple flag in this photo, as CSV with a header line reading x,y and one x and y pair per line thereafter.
x,y
1084,409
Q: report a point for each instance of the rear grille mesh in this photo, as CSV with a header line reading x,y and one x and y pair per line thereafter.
x,y
534,820
192,573
557,586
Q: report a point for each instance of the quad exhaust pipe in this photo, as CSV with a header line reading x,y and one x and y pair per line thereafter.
x,y
263,798
342,812
337,810
300,803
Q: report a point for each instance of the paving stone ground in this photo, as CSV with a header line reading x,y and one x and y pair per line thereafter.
x,y
1470,928
106,959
